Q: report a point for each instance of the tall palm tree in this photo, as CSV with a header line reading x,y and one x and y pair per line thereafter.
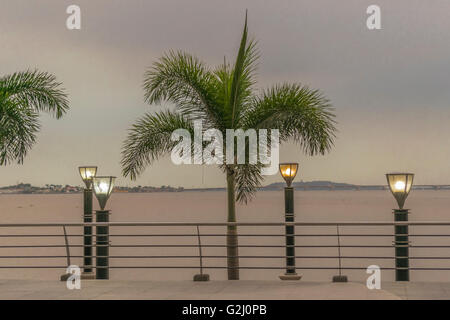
x,y
22,96
225,98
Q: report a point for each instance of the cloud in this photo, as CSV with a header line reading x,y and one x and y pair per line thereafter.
x,y
389,87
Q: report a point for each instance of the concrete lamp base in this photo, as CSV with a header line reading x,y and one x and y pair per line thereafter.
x,y
340,279
87,276
201,277
290,276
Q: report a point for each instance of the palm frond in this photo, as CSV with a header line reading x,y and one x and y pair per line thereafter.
x,y
18,128
222,86
150,138
182,79
37,90
299,113
242,76
248,180
22,96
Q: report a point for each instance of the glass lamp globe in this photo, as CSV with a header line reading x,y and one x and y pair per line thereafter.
x,y
288,172
103,187
87,173
400,184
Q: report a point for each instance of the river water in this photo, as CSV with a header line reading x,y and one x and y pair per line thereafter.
x,y
310,206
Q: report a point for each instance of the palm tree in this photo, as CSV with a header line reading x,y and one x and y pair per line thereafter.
x,y
225,98
22,96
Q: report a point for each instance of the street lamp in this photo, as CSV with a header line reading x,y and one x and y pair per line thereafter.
x,y
87,173
400,184
103,187
288,172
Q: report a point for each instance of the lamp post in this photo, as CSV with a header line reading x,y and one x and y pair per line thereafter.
x,y
87,173
288,172
103,187
400,184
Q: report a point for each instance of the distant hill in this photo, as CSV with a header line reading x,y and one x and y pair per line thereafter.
x,y
305,185
316,185
311,184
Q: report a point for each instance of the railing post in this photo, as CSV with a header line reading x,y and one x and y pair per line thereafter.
x,y
65,276
401,246
102,246
201,276
340,277
290,236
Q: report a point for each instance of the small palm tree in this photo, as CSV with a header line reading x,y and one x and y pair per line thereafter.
x,y
224,98
22,96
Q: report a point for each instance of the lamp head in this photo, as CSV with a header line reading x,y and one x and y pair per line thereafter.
x,y
87,173
400,184
103,187
288,172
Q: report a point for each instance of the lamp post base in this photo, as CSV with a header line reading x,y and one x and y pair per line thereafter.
x,y
201,277
290,276
340,279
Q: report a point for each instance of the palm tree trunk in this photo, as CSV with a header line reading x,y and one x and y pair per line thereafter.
x,y
232,236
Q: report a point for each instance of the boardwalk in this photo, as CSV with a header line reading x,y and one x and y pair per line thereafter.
x,y
226,290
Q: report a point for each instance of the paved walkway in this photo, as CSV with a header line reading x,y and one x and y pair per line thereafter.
x,y
243,289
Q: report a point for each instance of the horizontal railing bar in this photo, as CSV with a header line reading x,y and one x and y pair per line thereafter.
x,y
210,257
39,235
52,246
219,257
431,258
181,224
192,267
36,257
243,267
253,257
214,246
221,235
250,257
428,246
206,246
218,267
279,235
245,246
192,235
254,235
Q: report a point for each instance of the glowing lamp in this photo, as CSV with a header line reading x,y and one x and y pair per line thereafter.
x,y
400,184
87,173
103,187
288,172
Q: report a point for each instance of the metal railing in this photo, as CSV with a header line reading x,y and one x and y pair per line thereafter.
x,y
343,241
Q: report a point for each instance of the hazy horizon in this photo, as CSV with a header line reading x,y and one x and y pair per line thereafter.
x,y
389,86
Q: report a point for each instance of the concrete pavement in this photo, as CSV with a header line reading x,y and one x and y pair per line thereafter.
x,y
222,290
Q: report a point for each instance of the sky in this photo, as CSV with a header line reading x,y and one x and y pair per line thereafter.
x,y
389,87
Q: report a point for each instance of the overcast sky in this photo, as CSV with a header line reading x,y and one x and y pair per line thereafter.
x,y
390,87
